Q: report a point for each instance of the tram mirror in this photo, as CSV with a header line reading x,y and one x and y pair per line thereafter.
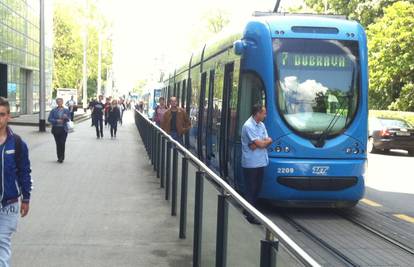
x,y
239,47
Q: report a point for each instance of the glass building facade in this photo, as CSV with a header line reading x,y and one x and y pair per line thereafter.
x,y
19,55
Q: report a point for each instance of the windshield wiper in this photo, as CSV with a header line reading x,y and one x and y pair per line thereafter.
x,y
321,140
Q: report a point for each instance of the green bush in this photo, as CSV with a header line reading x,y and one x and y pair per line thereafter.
x,y
407,116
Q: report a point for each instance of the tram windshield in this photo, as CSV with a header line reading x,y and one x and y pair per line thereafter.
x,y
316,84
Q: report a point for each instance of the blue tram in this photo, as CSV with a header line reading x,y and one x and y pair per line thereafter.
x,y
311,74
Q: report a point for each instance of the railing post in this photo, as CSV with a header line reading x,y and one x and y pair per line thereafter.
x,y
168,171
157,159
183,203
146,137
148,140
174,182
154,141
268,250
162,161
155,148
198,219
222,230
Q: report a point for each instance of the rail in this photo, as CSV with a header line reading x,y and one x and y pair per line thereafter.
x,y
156,140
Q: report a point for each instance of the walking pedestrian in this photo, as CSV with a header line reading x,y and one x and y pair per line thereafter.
x,y
114,115
255,141
15,183
71,104
106,109
122,108
159,111
90,106
175,121
58,117
97,114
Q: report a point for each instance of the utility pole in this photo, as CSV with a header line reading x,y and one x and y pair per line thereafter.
x,y
42,89
85,71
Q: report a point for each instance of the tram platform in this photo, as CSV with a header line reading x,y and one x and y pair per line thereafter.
x,y
101,207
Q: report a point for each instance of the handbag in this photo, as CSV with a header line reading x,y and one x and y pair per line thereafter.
x,y
71,126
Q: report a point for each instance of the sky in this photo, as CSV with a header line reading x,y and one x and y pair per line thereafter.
x,y
157,34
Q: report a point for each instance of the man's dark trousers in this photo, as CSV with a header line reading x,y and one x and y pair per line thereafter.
x,y
253,178
60,138
99,126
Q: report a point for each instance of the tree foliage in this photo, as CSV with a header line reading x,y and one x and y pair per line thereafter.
x,y
217,20
71,22
364,11
391,58
67,50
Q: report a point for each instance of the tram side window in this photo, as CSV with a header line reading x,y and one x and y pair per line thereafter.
x,y
177,93
183,89
251,92
203,112
195,94
217,96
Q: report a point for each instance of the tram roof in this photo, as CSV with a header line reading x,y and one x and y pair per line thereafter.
x,y
275,21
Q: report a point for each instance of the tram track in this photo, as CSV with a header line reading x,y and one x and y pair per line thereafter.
x,y
378,233
343,240
333,251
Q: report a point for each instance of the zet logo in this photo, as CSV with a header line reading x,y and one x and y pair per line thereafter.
x,y
320,170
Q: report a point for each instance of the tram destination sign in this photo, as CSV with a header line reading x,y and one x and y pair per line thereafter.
x,y
320,61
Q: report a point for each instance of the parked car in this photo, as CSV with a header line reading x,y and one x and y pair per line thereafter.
x,y
385,134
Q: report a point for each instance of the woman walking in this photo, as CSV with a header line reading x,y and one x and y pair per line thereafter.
x,y
58,117
114,115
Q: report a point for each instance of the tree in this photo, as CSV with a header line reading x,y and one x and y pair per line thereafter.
x,y
67,50
391,58
217,20
364,11
69,25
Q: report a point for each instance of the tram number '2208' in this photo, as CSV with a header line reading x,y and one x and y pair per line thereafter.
x,y
285,170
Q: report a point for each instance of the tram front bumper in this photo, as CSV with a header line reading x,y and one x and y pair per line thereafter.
x,y
314,182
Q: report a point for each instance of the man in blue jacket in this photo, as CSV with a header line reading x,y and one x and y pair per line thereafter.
x,y
15,183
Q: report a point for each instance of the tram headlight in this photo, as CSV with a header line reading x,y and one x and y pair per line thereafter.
x,y
287,149
278,149
349,150
356,151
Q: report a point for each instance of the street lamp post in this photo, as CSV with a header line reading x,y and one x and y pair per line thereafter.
x,y
42,89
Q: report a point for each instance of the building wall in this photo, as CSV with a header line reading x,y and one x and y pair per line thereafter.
x,y
19,51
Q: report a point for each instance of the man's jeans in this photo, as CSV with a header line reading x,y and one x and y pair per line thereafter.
x,y
177,137
8,224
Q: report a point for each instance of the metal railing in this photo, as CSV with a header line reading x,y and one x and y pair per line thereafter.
x,y
159,146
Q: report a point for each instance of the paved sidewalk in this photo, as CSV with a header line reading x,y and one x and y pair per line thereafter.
x,y
101,207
